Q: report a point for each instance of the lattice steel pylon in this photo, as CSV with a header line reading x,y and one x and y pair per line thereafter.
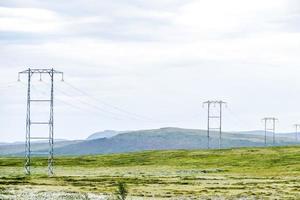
x,y
271,129
217,116
28,152
297,126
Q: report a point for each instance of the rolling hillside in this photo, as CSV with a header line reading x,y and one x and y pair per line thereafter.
x,y
156,139
103,134
18,148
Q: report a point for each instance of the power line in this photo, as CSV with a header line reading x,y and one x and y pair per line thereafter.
x,y
112,114
237,118
8,85
131,114
120,111
94,107
103,111
57,99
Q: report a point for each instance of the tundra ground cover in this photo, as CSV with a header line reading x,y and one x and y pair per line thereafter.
x,y
245,173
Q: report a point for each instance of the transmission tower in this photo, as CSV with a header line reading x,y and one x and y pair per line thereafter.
x,y
297,126
270,125
50,123
216,116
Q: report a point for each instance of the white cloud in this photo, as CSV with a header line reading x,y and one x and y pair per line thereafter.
x,y
217,17
153,58
37,20
28,20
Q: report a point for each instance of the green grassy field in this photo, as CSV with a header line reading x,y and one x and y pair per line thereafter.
x,y
247,173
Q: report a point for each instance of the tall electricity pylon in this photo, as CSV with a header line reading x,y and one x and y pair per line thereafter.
x,y
297,126
272,121
216,116
28,152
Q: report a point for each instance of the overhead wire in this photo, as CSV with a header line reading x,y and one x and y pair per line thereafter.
x,y
57,99
112,114
121,110
117,111
237,118
82,102
99,109
7,85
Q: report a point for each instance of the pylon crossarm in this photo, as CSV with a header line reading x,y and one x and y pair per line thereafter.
x,y
30,72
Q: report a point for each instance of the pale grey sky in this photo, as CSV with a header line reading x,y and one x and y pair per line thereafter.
x,y
158,58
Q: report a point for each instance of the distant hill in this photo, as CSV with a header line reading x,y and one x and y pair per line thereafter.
x,y
103,134
155,139
18,148
291,135
164,138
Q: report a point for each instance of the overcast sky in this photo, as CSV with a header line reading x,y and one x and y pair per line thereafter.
x,y
150,63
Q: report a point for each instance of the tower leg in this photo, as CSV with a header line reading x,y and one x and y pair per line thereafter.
x,y
27,142
51,131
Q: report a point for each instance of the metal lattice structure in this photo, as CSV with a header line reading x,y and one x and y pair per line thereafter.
x,y
270,126
218,117
28,152
297,126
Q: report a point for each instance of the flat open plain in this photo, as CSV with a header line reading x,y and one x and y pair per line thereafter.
x,y
246,173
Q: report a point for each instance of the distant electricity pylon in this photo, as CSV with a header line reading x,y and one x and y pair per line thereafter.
x,y
271,121
297,126
216,116
28,152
